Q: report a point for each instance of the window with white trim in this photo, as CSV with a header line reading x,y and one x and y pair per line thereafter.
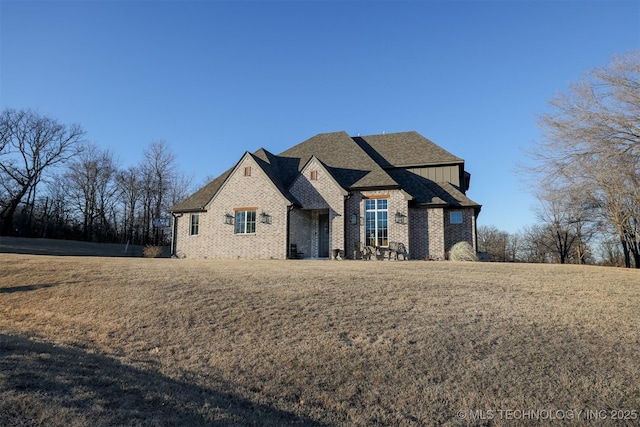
x,y
376,222
245,222
194,228
455,217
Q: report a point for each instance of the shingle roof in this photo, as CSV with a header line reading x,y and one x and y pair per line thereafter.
x,y
427,192
355,163
271,166
344,158
404,149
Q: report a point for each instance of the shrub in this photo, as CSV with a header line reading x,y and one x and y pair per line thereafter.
x,y
462,251
151,251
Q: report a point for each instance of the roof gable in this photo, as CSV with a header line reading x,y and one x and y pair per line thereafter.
x,y
201,198
307,168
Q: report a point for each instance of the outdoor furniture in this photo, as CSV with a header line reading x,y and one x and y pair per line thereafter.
x,y
361,252
396,249
294,253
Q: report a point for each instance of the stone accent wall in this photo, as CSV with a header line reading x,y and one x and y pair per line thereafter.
x,y
464,232
321,194
217,240
435,220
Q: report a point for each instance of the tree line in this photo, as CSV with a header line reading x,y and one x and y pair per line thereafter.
x,y
587,170
55,184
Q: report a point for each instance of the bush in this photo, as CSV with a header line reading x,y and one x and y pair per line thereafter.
x,y
150,251
462,251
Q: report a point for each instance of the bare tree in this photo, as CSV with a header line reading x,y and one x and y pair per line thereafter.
x,y
592,145
91,185
535,244
158,175
30,144
494,242
129,185
568,216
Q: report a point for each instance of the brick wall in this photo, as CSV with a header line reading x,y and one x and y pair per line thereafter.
x,y
427,231
317,195
217,240
435,220
464,232
432,233
418,233
396,203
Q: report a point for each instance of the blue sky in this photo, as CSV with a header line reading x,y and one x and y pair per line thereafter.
x,y
215,79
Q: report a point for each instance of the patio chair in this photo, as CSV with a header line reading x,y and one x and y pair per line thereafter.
x,y
361,252
294,253
402,250
396,249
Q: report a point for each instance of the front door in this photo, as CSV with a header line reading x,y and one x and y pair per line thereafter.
x,y
323,235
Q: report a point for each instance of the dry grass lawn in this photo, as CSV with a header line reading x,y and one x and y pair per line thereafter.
x,y
128,341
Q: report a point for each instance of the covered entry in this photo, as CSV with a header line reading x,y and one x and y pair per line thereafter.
x,y
311,232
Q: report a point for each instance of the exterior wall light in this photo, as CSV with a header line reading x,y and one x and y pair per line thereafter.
x,y
265,218
228,219
400,218
354,219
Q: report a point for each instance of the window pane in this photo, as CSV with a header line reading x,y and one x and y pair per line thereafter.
x,y
195,223
455,217
376,222
240,222
383,232
369,204
251,222
245,222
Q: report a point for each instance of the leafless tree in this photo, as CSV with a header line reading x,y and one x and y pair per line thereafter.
x,y
30,144
494,242
91,185
158,175
569,217
535,244
592,146
129,185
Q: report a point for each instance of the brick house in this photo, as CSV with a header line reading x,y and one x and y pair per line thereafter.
x,y
330,194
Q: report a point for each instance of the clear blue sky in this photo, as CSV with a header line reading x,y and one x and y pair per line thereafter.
x,y
217,78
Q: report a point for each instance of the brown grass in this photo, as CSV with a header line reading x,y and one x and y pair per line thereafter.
x,y
104,341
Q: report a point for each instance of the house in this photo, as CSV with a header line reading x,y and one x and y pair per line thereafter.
x,y
330,195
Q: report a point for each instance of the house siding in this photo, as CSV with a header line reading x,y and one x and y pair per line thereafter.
x,y
449,174
218,240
